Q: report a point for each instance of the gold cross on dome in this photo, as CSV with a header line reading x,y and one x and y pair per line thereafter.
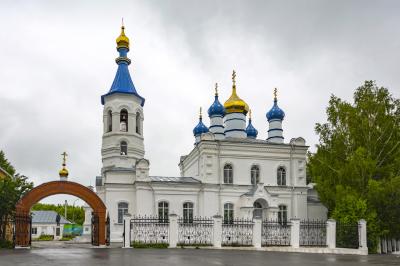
x,y
234,77
275,92
216,89
64,154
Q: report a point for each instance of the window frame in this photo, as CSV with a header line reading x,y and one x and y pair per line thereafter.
x,y
255,174
163,211
138,123
282,214
121,211
123,150
228,173
229,213
188,211
109,121
281,176
124,119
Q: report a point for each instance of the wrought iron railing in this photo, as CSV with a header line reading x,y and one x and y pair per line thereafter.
x,y
195,231
313,233
347,235
238,232
149,230
274,233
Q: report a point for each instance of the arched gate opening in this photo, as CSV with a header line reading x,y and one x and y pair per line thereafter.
x,y
22,217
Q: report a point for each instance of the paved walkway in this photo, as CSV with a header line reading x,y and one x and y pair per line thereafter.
x,y
180,257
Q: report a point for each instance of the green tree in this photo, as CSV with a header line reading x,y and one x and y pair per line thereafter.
x,y
75,214
11,190
357,162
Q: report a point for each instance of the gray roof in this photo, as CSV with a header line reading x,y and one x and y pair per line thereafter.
x,y
179,179
47,217
251,191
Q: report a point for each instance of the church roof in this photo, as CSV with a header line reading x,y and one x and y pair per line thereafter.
x,y
178,179
47,217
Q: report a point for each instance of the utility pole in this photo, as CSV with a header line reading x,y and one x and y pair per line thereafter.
x,y
65,209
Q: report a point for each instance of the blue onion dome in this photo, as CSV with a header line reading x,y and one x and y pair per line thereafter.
x,y
216,108
275,113
250,130
200,128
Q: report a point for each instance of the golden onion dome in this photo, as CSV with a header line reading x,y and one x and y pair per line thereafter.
x,y
234,104
63,172
122,40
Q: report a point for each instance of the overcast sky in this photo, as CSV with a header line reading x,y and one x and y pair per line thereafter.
x,y
57,59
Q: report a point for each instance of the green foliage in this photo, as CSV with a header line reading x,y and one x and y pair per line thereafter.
x,y
6,244
67,238
11,190
45,238
73,212
6,165
357,163
137,244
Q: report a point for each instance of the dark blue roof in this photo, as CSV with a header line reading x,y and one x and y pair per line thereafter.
x,y
123,82
251,131
216,108
275,112
200,128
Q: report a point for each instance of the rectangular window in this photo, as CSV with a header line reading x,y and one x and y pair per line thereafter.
x,y
34,231
188,212
282,214
122,209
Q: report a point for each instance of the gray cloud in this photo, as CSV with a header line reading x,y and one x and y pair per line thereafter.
x,y
58,59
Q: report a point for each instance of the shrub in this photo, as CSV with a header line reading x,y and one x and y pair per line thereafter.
x,y
6,244
137,244
46,238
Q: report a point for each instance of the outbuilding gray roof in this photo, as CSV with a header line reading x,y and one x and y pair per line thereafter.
x,y
178,179
47,217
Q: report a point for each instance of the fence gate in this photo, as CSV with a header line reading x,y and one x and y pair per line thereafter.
x,y
23,229
95,230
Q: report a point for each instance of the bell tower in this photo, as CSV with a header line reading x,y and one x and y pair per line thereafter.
x,y
122,142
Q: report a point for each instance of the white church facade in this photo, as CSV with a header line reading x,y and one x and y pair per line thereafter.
x,y
229,172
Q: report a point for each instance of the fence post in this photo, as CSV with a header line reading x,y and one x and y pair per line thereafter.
x,y
217,231
173,230
295,233
331,233
127,230
362,227
257,227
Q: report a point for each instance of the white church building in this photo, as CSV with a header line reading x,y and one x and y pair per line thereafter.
x,y
229,172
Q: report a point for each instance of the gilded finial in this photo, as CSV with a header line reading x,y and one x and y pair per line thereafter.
x,y
275,93
216,89
234,78
122,23
200,113
64,172
122,40
250,114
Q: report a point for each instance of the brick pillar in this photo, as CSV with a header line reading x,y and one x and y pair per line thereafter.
x,y
217,231
295,233
331,233
173,230
257,227
127,231
362,227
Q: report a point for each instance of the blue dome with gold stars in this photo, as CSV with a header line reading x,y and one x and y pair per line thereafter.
x,y
200,128
275,113
216,108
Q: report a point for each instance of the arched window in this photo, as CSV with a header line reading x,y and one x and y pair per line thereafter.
x,y
124,148
123,120
282,214
187,212
138,121
255,174
228,174
163,211
122,209
281,176
109,121
228,213
257,209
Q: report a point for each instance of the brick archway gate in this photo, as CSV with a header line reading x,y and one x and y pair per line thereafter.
x,y
22,229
